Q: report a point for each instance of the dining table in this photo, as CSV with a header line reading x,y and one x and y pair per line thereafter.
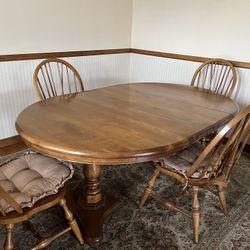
x,y
120,124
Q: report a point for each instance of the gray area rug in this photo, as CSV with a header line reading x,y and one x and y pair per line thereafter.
x,y
153,227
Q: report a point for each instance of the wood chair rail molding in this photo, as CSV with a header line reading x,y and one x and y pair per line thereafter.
x,y
34,56
192,58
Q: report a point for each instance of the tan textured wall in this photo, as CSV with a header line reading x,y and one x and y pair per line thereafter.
x,y
28,26
204,28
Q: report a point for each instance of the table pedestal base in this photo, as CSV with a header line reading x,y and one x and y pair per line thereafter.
x,y
90,220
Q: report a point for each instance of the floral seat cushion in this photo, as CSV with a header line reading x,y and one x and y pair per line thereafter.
x,y
32,177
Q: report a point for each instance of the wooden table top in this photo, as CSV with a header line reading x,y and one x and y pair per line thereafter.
x,y
124,123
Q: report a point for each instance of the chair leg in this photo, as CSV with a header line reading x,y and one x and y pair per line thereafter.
x,y
8,245
72,222
148,189
195,213
222,199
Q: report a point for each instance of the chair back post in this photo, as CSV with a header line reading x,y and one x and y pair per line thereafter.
x,y
55,77
219,157
217,75
10,200
237,144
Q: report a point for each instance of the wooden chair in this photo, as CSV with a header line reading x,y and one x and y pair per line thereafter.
x,y
201,166
29,185
217,75
55,77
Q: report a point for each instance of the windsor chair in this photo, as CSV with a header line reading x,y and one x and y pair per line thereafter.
x,y
31,184
217,75
55,77
204,167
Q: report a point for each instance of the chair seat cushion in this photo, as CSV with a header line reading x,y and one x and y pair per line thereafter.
x,y
32,177
182,161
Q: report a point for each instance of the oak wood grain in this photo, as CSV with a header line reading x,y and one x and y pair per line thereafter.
x,y
11,145
123,124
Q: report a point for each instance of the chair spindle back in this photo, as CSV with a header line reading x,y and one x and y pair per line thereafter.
x,y
55,77
217,75
220,156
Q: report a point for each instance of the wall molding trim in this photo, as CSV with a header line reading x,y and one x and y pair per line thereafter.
x,y
34,56
191,58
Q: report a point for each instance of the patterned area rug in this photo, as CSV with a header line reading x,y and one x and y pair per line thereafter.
x,y
153,227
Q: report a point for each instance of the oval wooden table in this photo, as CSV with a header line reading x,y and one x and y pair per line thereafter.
x,y
126,123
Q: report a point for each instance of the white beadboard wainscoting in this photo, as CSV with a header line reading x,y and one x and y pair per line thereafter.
x,y
158,69
151,68
17,90
16,82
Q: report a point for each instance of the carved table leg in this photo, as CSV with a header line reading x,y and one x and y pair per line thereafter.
x,y
93,196
91,206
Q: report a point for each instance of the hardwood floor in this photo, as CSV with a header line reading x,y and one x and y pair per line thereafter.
x,y
11,145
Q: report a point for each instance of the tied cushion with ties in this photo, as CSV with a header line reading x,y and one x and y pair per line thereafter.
x,y
182,161
31,177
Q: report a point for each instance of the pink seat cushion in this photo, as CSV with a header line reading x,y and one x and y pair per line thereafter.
x,y
32,177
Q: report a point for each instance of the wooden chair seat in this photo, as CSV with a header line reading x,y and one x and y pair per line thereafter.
x,y
41,205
